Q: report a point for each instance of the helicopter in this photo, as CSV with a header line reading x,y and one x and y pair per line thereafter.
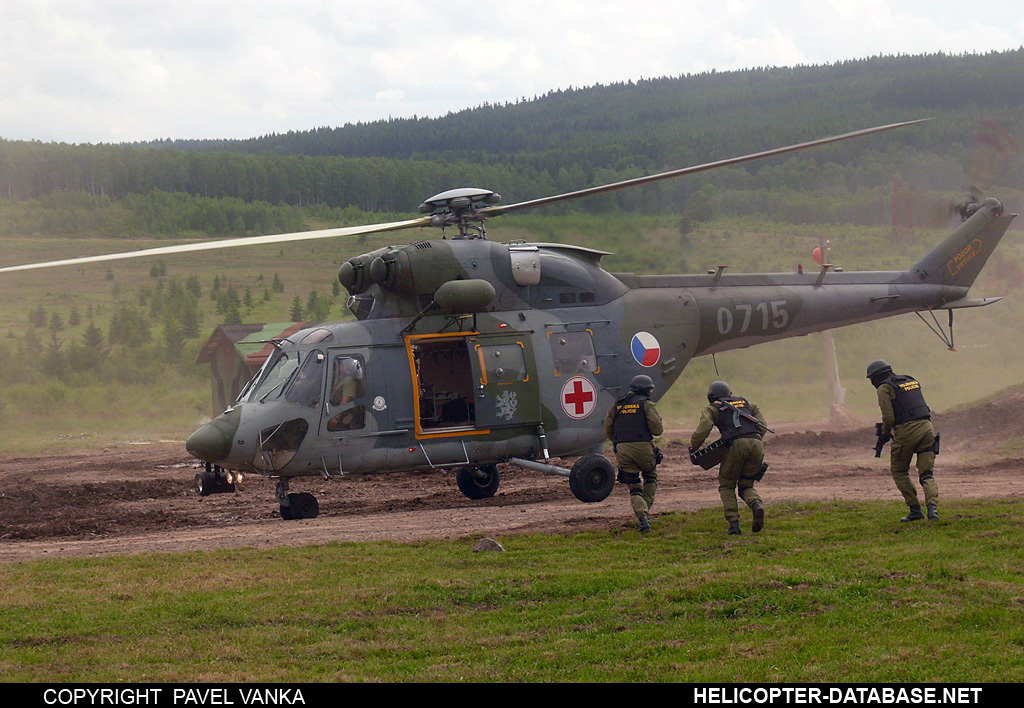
x,y
466,353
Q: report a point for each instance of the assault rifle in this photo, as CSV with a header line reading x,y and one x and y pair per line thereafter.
x,y
744,414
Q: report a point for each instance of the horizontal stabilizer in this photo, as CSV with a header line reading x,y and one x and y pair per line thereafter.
x,y
971,302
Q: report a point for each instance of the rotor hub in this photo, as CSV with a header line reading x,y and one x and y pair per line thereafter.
x,y
460,207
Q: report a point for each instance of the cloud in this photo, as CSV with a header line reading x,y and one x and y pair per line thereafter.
x,y
112,71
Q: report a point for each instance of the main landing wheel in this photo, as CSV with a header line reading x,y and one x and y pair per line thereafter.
x,y
478,482
300,506
592,478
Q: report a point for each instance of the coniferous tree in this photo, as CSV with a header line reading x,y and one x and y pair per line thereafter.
x,y
53,358
129,327
92,338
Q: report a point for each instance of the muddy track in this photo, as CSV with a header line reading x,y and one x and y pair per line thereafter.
x,y
139,498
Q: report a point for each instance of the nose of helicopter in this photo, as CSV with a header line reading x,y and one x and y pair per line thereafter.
x,y
212,442
209,443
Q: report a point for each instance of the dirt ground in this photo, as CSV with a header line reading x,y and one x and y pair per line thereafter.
x,y
139,498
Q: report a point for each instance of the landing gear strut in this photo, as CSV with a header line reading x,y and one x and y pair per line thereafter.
x,y
591,479
295,506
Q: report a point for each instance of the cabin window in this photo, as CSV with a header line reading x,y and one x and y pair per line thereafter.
x,y
503,363
346,406
573,353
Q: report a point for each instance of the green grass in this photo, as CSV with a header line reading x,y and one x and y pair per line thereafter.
x,y
829,592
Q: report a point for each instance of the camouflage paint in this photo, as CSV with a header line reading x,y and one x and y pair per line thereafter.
x,y
682,315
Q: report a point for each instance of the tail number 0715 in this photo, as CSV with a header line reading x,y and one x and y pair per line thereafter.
x,y
738,318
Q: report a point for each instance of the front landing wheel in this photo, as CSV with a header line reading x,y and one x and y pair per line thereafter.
x,y
213,482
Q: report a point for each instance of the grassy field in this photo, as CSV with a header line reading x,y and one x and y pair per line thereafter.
x,y
829,592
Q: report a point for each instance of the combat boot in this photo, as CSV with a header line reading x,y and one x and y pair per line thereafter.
x,y
734,528
758,517
645,524
933,512
914,515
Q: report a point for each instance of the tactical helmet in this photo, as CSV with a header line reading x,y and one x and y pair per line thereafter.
x,y
878,367
717,390
641,383
350,366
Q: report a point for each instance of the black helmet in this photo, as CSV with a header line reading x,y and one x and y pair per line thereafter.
x,y
641,383
717,390
877,367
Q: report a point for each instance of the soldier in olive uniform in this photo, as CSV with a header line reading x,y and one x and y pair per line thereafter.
x,y
741,466
632,424
907,418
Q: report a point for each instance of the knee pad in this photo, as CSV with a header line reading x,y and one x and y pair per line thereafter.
x,y
629,477
636,492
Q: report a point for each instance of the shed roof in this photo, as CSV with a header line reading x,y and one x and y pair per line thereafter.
x,y
250,341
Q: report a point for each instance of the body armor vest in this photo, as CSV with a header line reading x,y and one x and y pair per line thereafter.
x,y
731,424
630,420
909,403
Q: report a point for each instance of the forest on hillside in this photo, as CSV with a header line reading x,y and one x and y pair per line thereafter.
x,y
571,139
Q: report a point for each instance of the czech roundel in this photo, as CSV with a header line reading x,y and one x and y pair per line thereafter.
x,y
578,397
645,348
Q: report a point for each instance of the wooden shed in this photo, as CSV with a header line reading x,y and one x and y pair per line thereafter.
x,y
235,353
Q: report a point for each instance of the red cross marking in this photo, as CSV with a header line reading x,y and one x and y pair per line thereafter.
x,y
578,397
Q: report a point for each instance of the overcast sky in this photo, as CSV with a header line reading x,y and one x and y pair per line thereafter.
x,y
92,71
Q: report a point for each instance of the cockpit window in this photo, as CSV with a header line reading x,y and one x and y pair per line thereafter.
x,y
308,383
279,370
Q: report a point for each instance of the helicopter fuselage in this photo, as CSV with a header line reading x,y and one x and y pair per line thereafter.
x,y
531,371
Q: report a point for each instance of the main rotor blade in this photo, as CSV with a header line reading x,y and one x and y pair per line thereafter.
x,y
231,243
638,181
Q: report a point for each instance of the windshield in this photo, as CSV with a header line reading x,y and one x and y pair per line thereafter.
x,y
278,371
243,395
306,386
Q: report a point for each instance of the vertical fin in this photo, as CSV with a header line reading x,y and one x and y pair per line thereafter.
x,y
958,260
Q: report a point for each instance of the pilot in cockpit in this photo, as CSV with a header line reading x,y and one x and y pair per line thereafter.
x,y
348,384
